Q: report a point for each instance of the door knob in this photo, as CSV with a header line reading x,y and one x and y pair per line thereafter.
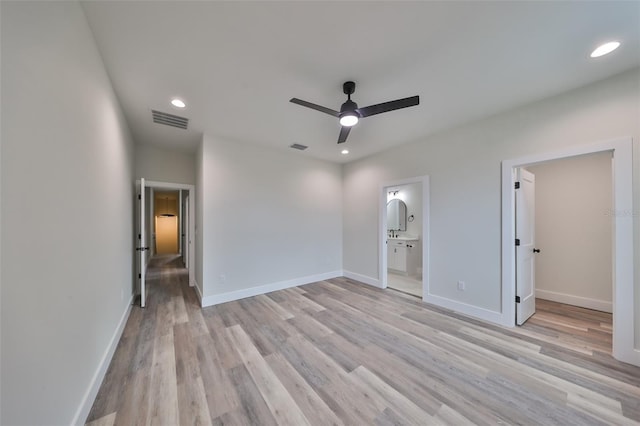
x,y
535,250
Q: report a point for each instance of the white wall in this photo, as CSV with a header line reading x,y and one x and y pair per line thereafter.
x,y
271,217
67,213
164,165
574,231
464,165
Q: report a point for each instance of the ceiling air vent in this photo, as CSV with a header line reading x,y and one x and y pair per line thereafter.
x,y
298,146
169,119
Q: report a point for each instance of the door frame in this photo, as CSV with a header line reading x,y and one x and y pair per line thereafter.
x,y
382,230
156,185
623,285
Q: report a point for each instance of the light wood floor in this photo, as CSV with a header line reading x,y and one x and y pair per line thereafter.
x,y
339,352
410,285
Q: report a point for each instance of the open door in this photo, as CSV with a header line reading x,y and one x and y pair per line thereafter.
x,y
525,246
141,248
186,239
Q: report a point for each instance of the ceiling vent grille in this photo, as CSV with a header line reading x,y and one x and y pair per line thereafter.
x,y
298,146
169,119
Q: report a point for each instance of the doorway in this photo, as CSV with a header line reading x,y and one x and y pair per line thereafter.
x,y
163,228
167,216
572,250
404,232
622,242
404,236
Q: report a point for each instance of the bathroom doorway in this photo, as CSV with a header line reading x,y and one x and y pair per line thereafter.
x,y
404,236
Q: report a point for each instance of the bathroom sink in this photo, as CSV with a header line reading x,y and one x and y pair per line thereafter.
x,y
405,238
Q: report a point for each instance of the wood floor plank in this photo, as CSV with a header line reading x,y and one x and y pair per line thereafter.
x,y
409,412
343,353
226,354
252,408
191,393
279,401
313,407
133,406
220,393
163,394
107,420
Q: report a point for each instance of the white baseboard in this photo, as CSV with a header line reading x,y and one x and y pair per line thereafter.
x,y
198,291
267,288
90,395
464,308
362,278
584,302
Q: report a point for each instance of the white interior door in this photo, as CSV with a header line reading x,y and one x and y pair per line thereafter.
x,y
525,245
180,231
141,248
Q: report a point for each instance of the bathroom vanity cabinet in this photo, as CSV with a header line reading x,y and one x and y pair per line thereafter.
x,y
403,256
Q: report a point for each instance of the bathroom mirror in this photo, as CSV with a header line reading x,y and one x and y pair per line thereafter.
x,y
396,215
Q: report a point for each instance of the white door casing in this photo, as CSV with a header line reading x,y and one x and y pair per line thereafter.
x,y
525,245
141,248
186,236
624,330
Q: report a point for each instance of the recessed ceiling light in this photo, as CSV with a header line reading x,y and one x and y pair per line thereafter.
x,y
605,48
178,103
345,151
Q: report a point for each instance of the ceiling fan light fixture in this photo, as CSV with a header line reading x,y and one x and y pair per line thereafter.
x,y
348,119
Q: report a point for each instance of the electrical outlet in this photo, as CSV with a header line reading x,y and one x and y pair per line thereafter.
x,y
460,285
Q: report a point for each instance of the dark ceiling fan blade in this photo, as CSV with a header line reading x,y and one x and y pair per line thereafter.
x,y
344,132
314,106
389,106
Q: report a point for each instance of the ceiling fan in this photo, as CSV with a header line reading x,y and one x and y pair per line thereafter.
x,y
349,113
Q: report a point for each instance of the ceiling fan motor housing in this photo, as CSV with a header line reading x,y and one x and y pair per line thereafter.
x,y
349,106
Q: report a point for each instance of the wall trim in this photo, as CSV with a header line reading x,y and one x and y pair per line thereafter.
x,y
267,288
363,279
198,291
464,308
569,299
96,381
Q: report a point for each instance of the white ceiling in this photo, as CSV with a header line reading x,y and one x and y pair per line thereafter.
x,y
237,64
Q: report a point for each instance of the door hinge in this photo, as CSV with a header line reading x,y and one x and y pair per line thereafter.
x,y
517,299
517,241
139,197
140,276
139,236
517,185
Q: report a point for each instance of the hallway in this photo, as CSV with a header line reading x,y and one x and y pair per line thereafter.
x,y
340,352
